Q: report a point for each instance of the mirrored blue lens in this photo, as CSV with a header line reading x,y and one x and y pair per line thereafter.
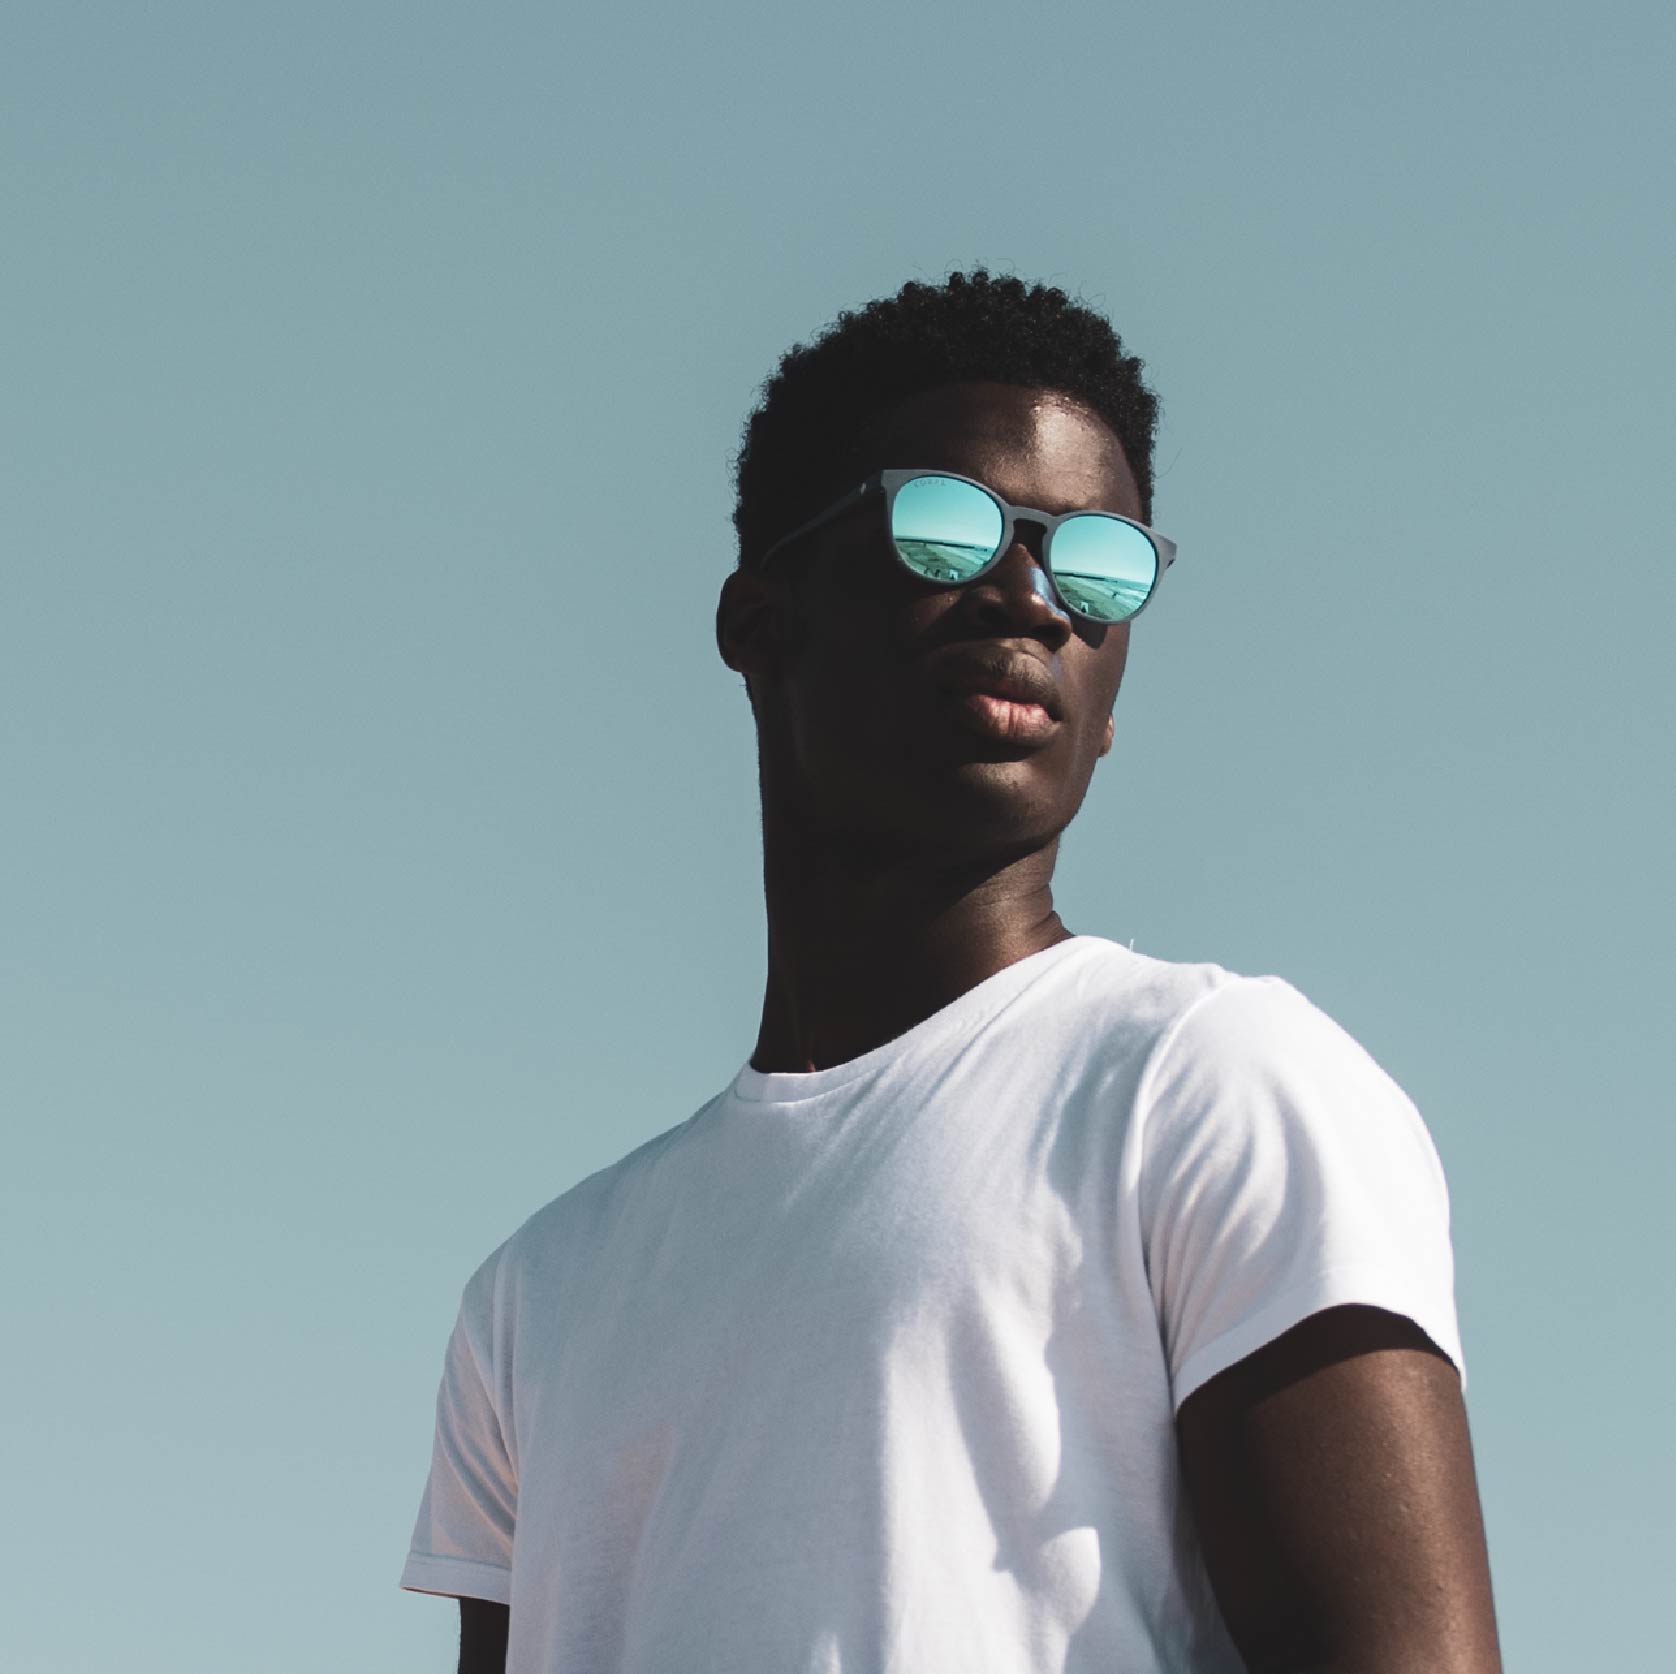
x,y
946,530
1102,567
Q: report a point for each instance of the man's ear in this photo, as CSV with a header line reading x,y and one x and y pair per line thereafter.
x,y
1111,733
753,623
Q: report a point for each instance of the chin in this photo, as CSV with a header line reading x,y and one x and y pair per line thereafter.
x,y
978,808
993,793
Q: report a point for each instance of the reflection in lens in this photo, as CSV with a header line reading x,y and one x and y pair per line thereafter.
x,y
1103,567
945,529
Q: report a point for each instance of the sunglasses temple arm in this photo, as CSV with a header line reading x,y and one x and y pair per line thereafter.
x,y
836,509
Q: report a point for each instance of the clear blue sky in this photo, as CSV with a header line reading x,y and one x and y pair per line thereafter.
x,y
380,843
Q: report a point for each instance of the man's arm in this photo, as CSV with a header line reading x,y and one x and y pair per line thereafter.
x,y
483,1636
1331,1477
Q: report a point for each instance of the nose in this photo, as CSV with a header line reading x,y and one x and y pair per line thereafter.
x,y
1016,598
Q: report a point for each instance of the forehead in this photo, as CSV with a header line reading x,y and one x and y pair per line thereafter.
x,y
1035,447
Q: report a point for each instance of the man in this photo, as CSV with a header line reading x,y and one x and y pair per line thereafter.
x,y
1025,1303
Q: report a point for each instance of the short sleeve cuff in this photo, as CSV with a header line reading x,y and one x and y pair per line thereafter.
x,y
1337,1288
457,1578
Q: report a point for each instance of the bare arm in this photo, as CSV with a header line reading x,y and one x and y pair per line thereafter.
x,y
1331,1477
483,1636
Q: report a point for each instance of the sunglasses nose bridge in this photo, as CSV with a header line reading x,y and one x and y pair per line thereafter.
x,y
1029,535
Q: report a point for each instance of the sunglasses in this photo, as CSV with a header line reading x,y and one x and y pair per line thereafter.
x,y
950,530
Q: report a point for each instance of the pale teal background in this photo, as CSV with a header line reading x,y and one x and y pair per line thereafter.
x,y
380,845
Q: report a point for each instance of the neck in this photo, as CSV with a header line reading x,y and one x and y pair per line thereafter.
x,y
868,938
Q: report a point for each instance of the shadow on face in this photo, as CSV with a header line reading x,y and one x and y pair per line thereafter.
x,y
848,654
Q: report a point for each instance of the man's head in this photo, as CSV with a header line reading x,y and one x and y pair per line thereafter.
x,y
850,660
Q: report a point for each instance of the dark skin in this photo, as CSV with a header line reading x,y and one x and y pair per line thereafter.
x,y
906,860
483,1629
1330,1473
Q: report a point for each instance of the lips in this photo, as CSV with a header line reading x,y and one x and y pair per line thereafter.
x,y
1016,677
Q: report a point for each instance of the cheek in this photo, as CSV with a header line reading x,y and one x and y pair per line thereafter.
x,y
916,614
844,699
1117,643
1103,676
1115,656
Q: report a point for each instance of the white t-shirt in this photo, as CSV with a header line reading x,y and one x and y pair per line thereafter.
x,y
876,1368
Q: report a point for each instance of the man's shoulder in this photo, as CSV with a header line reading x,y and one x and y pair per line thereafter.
x,y
579,1216
1203,1020
1145,991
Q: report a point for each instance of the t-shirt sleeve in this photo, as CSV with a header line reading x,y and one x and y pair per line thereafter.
x,y
462,1542
1283,1172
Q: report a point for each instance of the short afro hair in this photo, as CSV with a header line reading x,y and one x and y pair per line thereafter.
x,y
802,441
